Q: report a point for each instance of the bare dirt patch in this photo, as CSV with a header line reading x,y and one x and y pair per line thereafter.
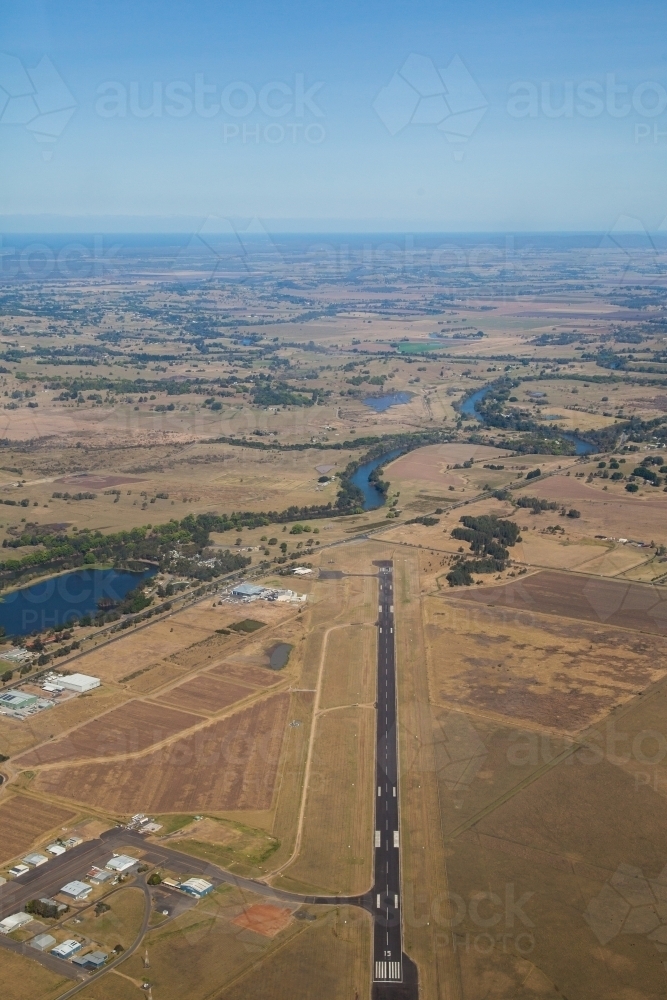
x,y
91,481
228,765
612,602
127,729
264,919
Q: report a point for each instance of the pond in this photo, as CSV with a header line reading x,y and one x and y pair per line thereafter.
x,y
279,655
64,599
372,497
468,407
382,403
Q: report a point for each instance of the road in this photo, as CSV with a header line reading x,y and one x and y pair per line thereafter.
x,y
394,974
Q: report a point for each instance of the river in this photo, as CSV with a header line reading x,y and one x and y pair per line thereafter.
x,y
63,599
372,497
468,407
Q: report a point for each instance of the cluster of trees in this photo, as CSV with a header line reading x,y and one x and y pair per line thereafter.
x,y
488,535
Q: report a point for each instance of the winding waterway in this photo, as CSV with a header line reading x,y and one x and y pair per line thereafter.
x,y
372,497
468,407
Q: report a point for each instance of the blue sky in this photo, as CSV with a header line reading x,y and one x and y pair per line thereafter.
x,y
333,117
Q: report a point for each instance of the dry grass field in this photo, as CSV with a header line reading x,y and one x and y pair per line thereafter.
x,y
608,602
118,925
129,729
25,821
554,673
23,978
337,945
336,849
202,950
228,765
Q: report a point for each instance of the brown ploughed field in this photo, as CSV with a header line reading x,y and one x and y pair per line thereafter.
x,y
228,765
127,729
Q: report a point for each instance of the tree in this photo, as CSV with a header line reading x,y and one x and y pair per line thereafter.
x,y
7,676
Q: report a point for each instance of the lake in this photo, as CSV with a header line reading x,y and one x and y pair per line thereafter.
x,y
468,407
61,600
372,497
382,403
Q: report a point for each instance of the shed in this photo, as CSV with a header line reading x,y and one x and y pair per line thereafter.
x,y
66,948
196,887
247,590
79,683
14,921
121,862
35,860
93,960
43,942
77,889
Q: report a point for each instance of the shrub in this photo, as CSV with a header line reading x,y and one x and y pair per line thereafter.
x,y
632,487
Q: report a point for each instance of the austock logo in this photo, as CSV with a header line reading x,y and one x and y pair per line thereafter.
x,y
420,94
629,903
36,98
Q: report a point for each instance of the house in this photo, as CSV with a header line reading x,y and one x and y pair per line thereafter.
x,y
35,860
67,948
77,890
79,683
43,942
13,922
121,862
93,960
196,887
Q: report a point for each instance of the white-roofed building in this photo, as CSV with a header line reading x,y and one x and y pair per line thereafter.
x,y
67,948
77,889
196,887
13,922
79,683
121,862
56,849
35,860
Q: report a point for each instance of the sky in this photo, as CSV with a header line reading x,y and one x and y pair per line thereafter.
x,y
333,117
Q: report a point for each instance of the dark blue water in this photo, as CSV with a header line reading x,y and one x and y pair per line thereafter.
x,y
580,447
372,497
382,403
64,599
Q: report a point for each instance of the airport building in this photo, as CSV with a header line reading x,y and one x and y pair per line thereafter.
x,y
196,887
77,889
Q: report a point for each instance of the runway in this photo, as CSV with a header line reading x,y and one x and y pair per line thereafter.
x,y
394,975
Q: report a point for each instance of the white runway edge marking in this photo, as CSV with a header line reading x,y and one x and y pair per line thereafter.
x,y
379,791
388,970
378,842
395,838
